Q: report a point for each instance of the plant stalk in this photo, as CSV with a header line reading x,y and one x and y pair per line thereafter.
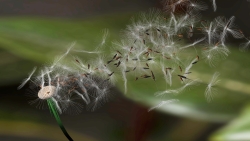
x,y
53,110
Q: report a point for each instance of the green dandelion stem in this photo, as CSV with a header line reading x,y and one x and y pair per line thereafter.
x,y
53,110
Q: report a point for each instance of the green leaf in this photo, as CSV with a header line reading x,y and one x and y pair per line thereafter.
x,y
238,129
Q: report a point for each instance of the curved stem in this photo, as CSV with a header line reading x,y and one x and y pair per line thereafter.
x,y
53,110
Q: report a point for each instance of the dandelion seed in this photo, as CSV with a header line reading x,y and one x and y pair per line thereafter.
x,y
88,52
161,93
27,79
211,30
58,108
70,106
211,90
101,94
245,46
83,98
114,56
214,5
118,64
214,53
228,27
118,58
167,72
194,62
109,61
125,82
62,56
182,76
197,5
104,38
85,95
193,44
145,76
153,76
180,68
188,83
162,103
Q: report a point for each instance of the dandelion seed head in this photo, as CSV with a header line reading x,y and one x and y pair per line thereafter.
x,y
156,45
47,92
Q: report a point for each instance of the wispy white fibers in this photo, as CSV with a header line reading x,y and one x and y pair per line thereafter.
x,y
27,79
167,72
214,53
125,81
188,83
211,91
194,43
211,30
245,46
88,52
48,75
41,78
57,105
163,103
228,27
197,5
62,56
81,95
189,66
161,93
214,5
104,38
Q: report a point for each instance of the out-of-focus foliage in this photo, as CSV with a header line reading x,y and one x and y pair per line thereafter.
x,y
238,129
29,42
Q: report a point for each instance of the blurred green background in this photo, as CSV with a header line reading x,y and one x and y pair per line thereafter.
x,y
32,33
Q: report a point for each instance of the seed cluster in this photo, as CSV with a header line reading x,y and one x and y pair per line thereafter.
x,y
166,44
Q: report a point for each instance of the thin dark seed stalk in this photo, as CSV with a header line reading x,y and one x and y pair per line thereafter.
x,y
59,122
